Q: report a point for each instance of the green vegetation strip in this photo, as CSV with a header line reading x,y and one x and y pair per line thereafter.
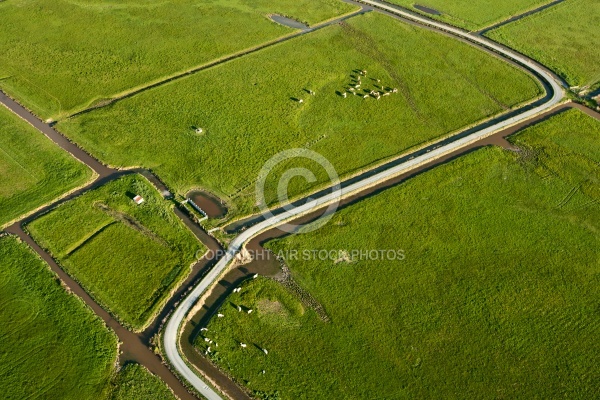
x,y
497,295
562,38
128,256
471,15
33,170
54,66
52,345
249,108
134,382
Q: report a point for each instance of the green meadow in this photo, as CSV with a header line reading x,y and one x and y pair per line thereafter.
x,y
33,170
561,38
58,56
52,345
496,295
250,109
128,257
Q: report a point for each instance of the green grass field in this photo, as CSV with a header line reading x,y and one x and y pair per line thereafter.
x,y
473,15
57,56
127,256
33,170
248,112
562,38
497,296
134,382
52,345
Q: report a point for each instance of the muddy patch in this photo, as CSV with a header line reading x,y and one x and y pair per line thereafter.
x,y
290,23
207,204
427,10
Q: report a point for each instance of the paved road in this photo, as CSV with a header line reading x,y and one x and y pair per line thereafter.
x,y
171,334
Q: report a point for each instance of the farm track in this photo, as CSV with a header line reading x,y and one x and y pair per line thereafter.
x,y
135,346
200,297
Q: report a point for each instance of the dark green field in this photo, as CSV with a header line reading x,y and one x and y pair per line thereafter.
x,y
52,345
497,297
58,56
128,257
249,107
33,170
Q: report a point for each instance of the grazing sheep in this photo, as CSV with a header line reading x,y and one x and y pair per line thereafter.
x,y
300,101
250,311
265,351
243,345
203,329
206,339
239,309
220,315
255,276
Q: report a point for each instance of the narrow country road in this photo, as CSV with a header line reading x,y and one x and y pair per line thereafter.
x,y
551,82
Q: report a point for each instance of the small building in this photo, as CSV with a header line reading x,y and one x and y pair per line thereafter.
x,y
138,199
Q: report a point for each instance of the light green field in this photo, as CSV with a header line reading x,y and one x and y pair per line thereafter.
x,y
33,170
562,38
473,15
128,257
497,296
248,114
57,56
134,382
52,345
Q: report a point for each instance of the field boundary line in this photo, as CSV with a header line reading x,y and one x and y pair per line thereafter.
x,y
209,65
518,17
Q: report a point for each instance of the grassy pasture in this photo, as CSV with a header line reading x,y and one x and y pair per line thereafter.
x,y
563,38
57,56
134,382
249,111
473,15
127,256
52,345
33,170
497,295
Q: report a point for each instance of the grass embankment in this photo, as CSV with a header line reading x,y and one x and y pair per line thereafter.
x,y
134,382
128,257
54,66
472,15
52,345
33,170
248,110
562,38
497,295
